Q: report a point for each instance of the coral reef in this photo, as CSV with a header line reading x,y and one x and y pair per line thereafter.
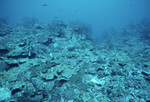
x,y
61,63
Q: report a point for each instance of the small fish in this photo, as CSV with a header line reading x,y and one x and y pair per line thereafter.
x,y
76,11
61,10
44,5
55,17
130,5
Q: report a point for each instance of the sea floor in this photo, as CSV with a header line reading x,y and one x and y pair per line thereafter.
x,y
62,63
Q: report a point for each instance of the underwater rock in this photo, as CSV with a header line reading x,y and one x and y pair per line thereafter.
x,y
71,47
11,63
3,65
3,49
18,53
72,63
86,97
68,34
5,94
22,44
99,82
67,73
90,71
2,34
60,82
72,55
37,98
146,74
21,87
97,67
70,94
48,41
100,60
39,27
49,76
75,79
48,86
52,73
5,30
35,81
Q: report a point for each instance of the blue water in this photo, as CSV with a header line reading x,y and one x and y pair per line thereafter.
x,y
100,14
74,50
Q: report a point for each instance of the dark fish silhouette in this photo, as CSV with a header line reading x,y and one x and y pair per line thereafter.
x,y
44,5
76,11
130,5
61,10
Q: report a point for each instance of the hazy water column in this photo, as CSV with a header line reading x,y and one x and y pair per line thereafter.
x,y
101,14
